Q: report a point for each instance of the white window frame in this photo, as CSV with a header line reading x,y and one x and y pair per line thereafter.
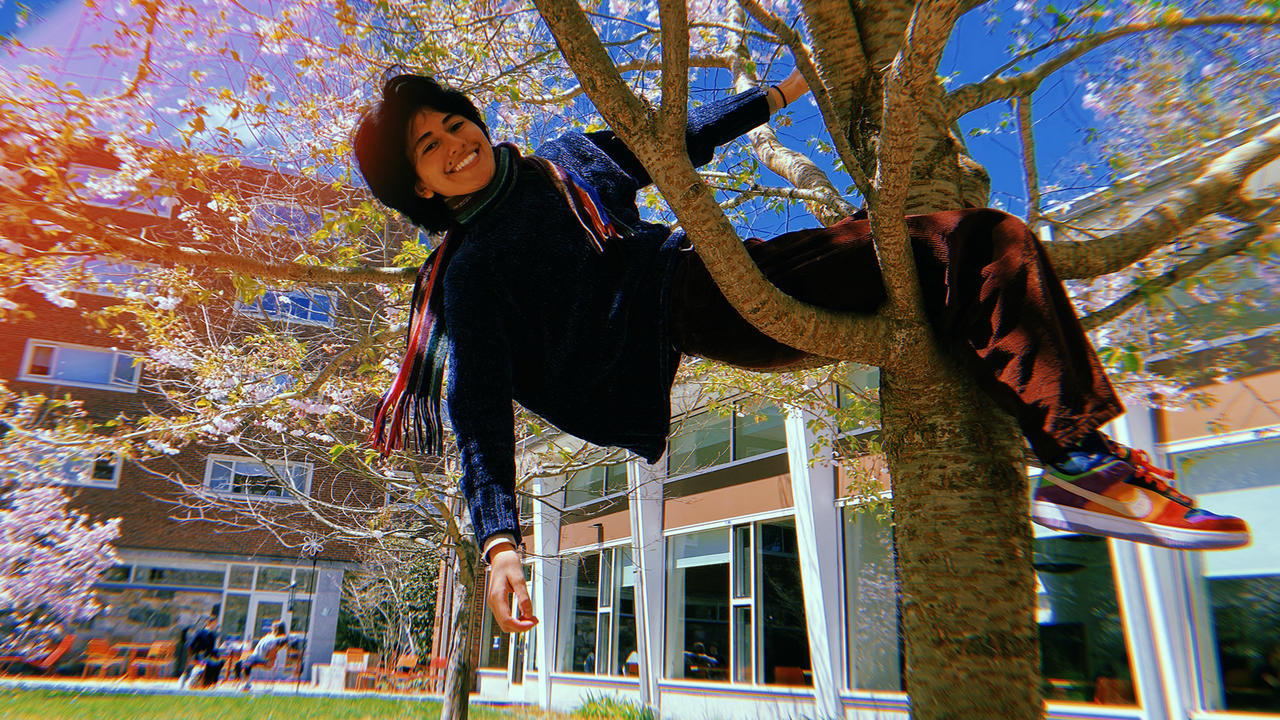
x,y
254,309
87,480
33,343
281,468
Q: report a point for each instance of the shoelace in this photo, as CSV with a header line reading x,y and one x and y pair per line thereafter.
x,y
1159,479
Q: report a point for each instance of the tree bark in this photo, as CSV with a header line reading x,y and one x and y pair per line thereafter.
x,y
964,550
458,678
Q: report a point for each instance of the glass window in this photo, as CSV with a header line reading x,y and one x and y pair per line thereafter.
x,y
299,616
579,653
871,601
179,576
249,477
1083,656
1083,653
590,484
299,306
274,578
785,642
117,574
80,366
1246,623
759,431
102,472
1238,591
626,655
241,577
701,441
305,580
698,605
235,613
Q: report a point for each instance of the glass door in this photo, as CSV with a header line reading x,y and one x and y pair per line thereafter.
x,y
264,612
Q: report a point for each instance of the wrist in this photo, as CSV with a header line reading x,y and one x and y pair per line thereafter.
x,y
782,96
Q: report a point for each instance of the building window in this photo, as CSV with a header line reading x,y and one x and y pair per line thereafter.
x,y
306,307
244,476
186,577
871,600
698,609
103,472
599,636
1083,654
709,439
79,366
700,442
593,483
1237,592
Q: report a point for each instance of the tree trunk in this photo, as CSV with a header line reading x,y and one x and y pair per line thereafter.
x,y
457,683
963,543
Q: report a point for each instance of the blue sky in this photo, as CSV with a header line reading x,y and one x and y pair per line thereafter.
x,y
975,50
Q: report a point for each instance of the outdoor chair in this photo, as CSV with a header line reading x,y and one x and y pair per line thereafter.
x,y
405,674
292,662
372,672
437,667
158,661
43,661
99,654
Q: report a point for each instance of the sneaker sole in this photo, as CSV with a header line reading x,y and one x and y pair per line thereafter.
x,y
1060,517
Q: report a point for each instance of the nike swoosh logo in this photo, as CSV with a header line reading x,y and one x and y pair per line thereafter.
x,y
1138,508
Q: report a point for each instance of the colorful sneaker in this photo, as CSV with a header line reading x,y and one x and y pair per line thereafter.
x,y
1125,496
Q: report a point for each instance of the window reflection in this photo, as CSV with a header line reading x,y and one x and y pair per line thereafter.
x,y
1246,616
1083,656
698,609
1241,587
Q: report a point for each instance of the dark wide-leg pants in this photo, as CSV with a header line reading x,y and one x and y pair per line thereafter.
x,y
989,293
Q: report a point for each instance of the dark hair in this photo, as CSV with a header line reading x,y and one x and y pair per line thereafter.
x,y
381,152
278,627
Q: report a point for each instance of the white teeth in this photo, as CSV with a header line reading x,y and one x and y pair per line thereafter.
x,y
467,161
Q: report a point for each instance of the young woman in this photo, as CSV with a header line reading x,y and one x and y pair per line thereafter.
x,y
553,292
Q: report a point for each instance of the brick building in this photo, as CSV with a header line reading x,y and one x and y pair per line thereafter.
x,y
182,560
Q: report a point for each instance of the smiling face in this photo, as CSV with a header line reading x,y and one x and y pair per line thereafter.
x,y
451,155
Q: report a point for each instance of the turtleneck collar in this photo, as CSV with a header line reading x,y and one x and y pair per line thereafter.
x,y
466,207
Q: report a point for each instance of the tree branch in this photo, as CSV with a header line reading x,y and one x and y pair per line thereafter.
x,y
913,70
825,202
186,256
838,49
827,107
992,89
1243,239
1212,190
1023,105
674,16
814,330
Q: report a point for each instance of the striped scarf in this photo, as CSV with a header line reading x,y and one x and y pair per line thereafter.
x,y
410,410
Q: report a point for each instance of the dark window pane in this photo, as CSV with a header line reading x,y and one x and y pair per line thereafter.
x,y
1246,621
785,648
1083,656
759,431
702,441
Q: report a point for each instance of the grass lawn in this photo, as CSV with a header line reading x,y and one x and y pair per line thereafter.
x,y
50,705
